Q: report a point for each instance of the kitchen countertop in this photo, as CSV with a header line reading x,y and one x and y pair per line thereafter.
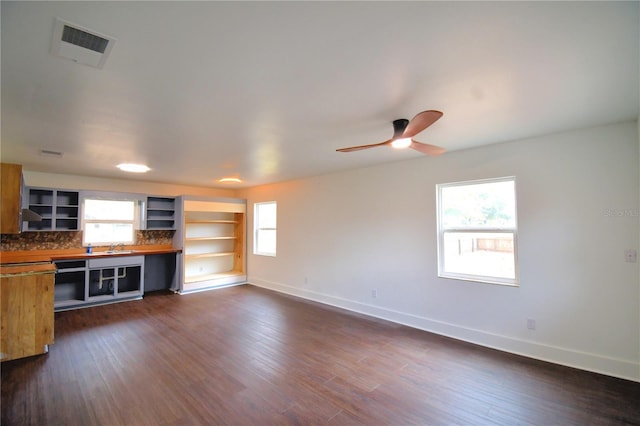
x,y
29,256
25,269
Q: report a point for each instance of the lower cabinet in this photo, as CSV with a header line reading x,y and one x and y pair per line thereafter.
x,y
96,281
70,283
26,310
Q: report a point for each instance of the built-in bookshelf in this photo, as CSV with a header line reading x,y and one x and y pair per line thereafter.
x,y
213,244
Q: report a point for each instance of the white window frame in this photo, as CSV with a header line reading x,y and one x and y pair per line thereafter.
x,y
257,229
476,229
135,222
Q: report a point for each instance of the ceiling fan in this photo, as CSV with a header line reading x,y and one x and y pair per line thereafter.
x,y
404,131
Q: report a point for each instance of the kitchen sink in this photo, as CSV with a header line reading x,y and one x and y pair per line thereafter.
x,y
111,252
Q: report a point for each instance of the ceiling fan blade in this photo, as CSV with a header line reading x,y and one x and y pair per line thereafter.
x,y
425,148
357,148
420,122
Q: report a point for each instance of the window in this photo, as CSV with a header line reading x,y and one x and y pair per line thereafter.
x,y
264,220
477,232
109,221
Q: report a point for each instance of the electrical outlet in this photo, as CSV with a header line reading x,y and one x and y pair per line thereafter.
x,y
374,293
531,324
306,280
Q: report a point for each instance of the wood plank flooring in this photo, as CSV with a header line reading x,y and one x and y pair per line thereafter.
x,y
248,356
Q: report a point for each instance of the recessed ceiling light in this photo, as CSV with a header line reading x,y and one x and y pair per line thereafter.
x,y
133,168
230,180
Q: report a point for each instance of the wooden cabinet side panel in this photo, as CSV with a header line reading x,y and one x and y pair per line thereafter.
x,y
10,187
13,319
27,316
44,316
240,246
4,317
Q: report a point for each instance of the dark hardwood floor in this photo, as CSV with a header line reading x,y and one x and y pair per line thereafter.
x,y
248,356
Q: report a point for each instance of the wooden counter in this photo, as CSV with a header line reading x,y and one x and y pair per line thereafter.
x,y
26,309
7,257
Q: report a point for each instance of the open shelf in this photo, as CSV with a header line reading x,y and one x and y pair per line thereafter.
x,y
59,209
161,213
213,221
232,237
194,256
69,287
210,277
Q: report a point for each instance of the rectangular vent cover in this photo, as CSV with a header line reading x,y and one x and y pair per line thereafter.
x,y
84,39
81,45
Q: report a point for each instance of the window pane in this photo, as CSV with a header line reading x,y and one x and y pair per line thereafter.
x,y
488,204
479,253
265,228
97,233
266,215
266,241
109,210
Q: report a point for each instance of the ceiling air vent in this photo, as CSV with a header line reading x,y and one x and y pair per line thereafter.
x,y
80,44
84,39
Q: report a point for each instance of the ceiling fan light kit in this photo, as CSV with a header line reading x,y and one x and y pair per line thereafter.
x,y
401,143
403,133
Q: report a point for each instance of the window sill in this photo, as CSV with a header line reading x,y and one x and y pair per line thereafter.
x,y
480,279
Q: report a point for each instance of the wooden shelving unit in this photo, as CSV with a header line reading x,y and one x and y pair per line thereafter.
x,y
213,244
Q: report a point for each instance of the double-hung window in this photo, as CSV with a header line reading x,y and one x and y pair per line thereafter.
x,y
477,231
264,236
108,221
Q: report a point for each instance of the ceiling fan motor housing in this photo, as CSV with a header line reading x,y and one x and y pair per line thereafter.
x,y
399,127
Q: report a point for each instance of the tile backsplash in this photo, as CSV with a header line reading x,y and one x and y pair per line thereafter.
x,y
57,240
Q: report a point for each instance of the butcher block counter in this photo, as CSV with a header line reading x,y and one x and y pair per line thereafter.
x,y
7,257
26,309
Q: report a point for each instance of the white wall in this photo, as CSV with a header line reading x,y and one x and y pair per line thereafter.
x,y
342,235
54,180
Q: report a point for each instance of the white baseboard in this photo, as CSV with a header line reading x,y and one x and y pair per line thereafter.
x,y
207,286
585,361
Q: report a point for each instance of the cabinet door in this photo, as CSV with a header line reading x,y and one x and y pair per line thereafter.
x,y
11,185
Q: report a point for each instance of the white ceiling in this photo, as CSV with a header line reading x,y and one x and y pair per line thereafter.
x,y
268,91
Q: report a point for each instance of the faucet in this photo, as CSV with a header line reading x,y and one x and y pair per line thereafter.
x,y
114,247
